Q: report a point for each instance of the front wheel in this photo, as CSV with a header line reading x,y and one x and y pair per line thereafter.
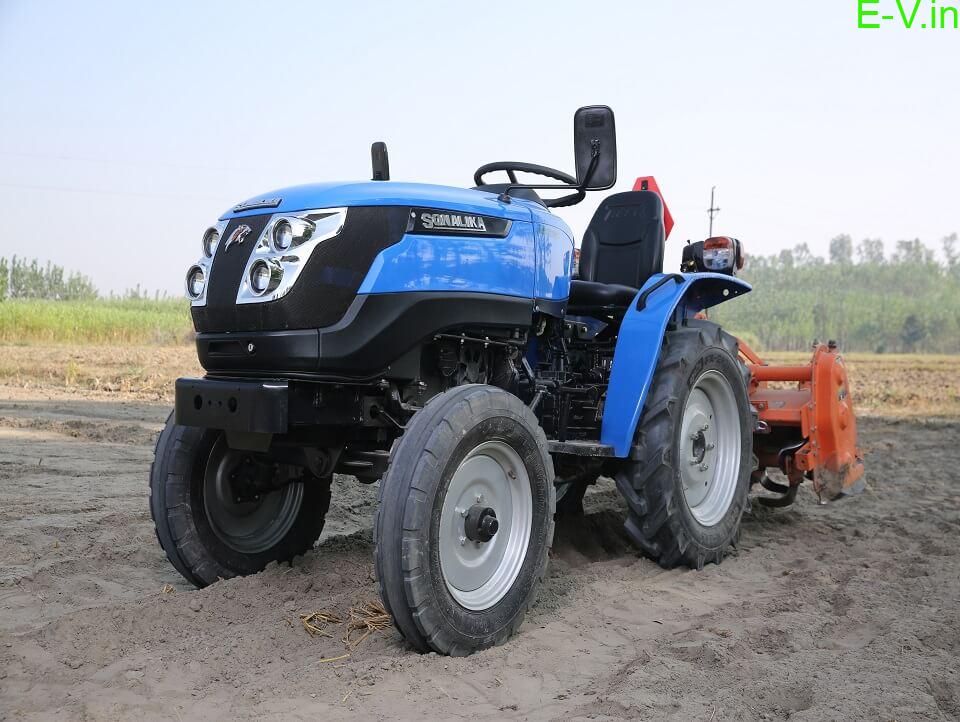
x,y
221,513
465,522
688,493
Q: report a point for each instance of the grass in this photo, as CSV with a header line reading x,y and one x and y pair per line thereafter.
x,y
902,385
135,348
117,373
915,385
102,322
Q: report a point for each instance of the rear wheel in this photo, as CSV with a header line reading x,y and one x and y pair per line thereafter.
x,y
688,493
221,513
465,521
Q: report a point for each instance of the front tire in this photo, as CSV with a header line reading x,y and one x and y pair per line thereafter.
x,y
687,495
472,461
205,530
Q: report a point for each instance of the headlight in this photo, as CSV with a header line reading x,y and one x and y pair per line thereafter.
x,y
195,282
282,236
265,276
282,250
291,231
720,254
210,240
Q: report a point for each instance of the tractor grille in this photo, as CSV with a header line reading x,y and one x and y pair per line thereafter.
x,y
324,290
228,265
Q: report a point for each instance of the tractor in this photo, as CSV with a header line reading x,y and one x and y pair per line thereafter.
x,y
443,343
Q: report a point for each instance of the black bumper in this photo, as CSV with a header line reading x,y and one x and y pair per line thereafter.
x,y
374,333
252,406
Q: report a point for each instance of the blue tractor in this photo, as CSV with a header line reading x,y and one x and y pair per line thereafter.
x,y
444,342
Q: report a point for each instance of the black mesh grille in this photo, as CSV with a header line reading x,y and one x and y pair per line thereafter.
x,y
228,264
325,288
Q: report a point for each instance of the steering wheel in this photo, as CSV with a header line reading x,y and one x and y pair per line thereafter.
x,y
512,167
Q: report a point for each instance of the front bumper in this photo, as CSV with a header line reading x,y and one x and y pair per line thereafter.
x,y
260,407
376,331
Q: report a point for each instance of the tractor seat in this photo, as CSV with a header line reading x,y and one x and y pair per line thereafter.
x,y
622,247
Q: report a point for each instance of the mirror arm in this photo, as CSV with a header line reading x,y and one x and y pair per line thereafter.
x,y
591,169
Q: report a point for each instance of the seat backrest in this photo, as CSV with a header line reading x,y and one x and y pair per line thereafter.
x,y
624,242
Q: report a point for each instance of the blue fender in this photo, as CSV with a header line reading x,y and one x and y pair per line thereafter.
x,y
664,297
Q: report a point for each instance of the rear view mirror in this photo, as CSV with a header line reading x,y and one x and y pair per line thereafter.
x,y
595,147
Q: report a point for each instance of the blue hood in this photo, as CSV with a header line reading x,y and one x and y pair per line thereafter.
x,y
387,193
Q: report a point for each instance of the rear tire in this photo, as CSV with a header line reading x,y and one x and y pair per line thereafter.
x,y
688,493
198,539
448,591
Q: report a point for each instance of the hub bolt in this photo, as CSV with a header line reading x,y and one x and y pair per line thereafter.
x,y
481,524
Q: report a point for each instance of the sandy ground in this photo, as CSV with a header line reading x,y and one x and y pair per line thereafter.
x,y
850,610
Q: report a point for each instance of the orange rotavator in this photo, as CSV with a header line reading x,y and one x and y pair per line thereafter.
x,y
808,431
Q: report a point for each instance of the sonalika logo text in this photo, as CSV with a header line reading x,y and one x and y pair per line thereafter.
x,y
452,221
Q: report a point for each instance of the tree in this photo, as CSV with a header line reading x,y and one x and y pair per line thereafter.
x,y
912,333
21,279
870,252
950,250
841,250
866,305
913,253
803,257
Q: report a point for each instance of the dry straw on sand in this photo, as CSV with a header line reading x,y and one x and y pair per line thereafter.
x,y
365,620
361,622
316,622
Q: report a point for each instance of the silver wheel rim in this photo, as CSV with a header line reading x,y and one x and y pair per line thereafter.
x,y
710,448
479,574
249,527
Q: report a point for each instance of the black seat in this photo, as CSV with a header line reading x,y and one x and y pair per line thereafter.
x,y
621,249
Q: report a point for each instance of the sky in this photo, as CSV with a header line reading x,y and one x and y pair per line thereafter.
x,y
127,128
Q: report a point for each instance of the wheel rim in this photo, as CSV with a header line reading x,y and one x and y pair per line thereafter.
x,y
249,527
710,447
479,574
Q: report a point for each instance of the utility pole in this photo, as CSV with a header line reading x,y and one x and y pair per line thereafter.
x,y
712,211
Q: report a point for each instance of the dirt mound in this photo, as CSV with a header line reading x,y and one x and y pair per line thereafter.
x,y
112,433
845,610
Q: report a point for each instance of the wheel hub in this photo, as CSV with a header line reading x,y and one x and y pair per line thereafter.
x,y
699,447
480,524
709,452
485,524
242,503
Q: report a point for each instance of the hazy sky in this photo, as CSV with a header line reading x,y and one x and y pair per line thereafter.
x,y
127,127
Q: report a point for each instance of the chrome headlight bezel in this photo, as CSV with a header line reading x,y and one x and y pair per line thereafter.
x,y
310,228
205,263
188,282
210,242
274,275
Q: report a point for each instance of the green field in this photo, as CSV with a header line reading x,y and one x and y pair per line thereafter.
x,y
101,321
